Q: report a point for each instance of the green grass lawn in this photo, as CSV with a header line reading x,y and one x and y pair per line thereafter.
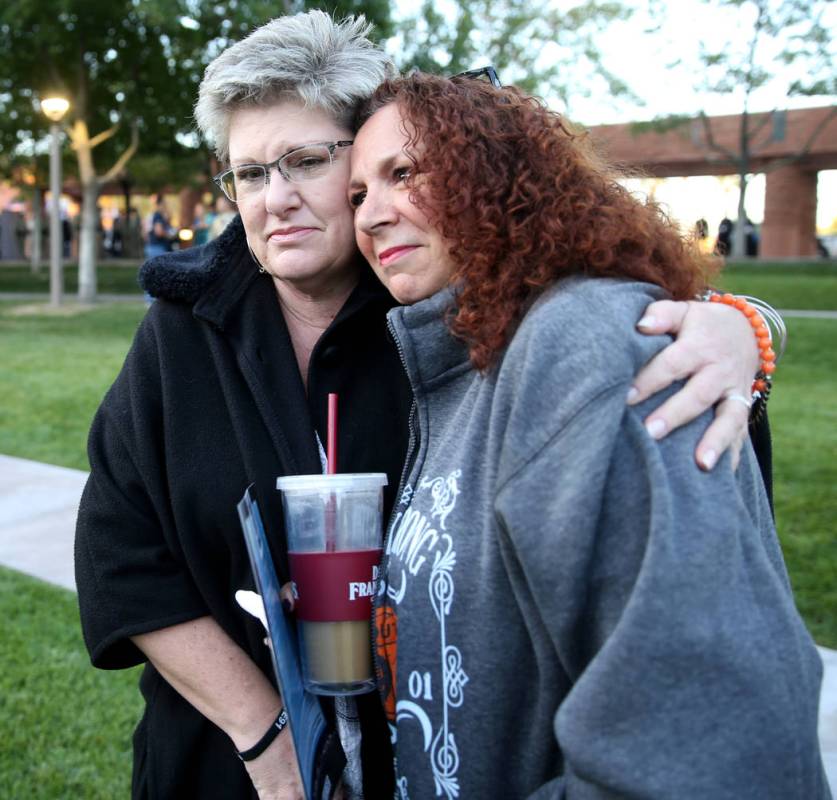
x,y
779,283
54,370
803,418
808,286
112,278
68,726
67,731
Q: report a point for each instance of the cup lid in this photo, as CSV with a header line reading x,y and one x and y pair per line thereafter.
x,y
345,481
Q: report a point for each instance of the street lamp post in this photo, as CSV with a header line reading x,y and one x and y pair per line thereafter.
x,y
55,108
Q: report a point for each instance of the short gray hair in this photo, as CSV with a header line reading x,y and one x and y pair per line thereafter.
x,y
327,65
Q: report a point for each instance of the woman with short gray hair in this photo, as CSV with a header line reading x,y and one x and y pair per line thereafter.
x,y
306,57
226,385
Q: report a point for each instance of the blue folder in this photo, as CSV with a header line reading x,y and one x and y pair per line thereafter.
x,y
318,753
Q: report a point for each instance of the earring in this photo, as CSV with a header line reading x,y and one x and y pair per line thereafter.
x,y
262,270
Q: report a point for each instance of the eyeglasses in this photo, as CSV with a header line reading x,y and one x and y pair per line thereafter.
x,y
301,164
488,74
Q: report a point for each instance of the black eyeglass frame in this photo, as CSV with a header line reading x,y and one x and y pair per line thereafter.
x,y
218,180
482,72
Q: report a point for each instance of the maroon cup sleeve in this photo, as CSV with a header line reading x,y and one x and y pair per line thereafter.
x,y
334,587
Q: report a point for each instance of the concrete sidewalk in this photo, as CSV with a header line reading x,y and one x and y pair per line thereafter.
x,y
38,505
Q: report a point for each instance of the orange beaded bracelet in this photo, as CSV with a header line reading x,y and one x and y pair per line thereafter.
x,y
764,376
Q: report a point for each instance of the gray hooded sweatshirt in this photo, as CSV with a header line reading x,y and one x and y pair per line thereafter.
x,y
569,608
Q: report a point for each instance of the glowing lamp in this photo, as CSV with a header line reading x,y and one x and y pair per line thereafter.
x,y
55,108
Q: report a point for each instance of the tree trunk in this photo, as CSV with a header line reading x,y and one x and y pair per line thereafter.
x,y
740,233
88,239
189,198
37,230
126,191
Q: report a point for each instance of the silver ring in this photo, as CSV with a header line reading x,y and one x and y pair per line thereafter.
x,y
740,398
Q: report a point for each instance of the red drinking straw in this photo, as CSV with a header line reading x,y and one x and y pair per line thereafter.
x,y
331,452
331,469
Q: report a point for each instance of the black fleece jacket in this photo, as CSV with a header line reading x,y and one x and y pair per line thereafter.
x,y
208,401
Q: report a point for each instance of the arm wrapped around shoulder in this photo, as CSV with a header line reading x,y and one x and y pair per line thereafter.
x,y
669,608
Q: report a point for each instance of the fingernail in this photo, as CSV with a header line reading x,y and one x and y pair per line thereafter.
x,y
708,459
647,322
286,605
633,392
656,428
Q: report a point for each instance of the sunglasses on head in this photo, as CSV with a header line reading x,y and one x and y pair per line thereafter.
x,y
488,74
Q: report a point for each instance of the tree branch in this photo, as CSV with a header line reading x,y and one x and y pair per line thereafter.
x,y
710,139
762,122
751,58
103,136
756,129
806,148
114,171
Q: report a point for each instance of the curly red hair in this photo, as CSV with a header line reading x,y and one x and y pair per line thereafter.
x,y
524,201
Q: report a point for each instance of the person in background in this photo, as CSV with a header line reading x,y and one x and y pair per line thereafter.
x,y
751,238
21,230
67,228
161,234
200,225
132,238
567,607
224,215
115,235
226,384
723,242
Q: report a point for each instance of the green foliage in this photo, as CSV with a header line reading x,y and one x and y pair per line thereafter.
x,y
107,57
153,171
67,727
532,43
796,27
126,62
131,70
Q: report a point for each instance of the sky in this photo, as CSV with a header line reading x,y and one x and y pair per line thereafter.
x,y
662,69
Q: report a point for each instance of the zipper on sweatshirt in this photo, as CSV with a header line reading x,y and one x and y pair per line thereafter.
x,y
412,441
409,461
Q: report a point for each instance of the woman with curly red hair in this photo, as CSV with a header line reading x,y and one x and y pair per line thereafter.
x,y
568,607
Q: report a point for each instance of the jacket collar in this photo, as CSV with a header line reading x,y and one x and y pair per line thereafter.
x,y
432,355
185,274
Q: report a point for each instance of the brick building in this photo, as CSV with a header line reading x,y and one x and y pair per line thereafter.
x,y
789,146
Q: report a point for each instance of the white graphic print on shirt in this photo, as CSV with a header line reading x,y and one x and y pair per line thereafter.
x,y
415,539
